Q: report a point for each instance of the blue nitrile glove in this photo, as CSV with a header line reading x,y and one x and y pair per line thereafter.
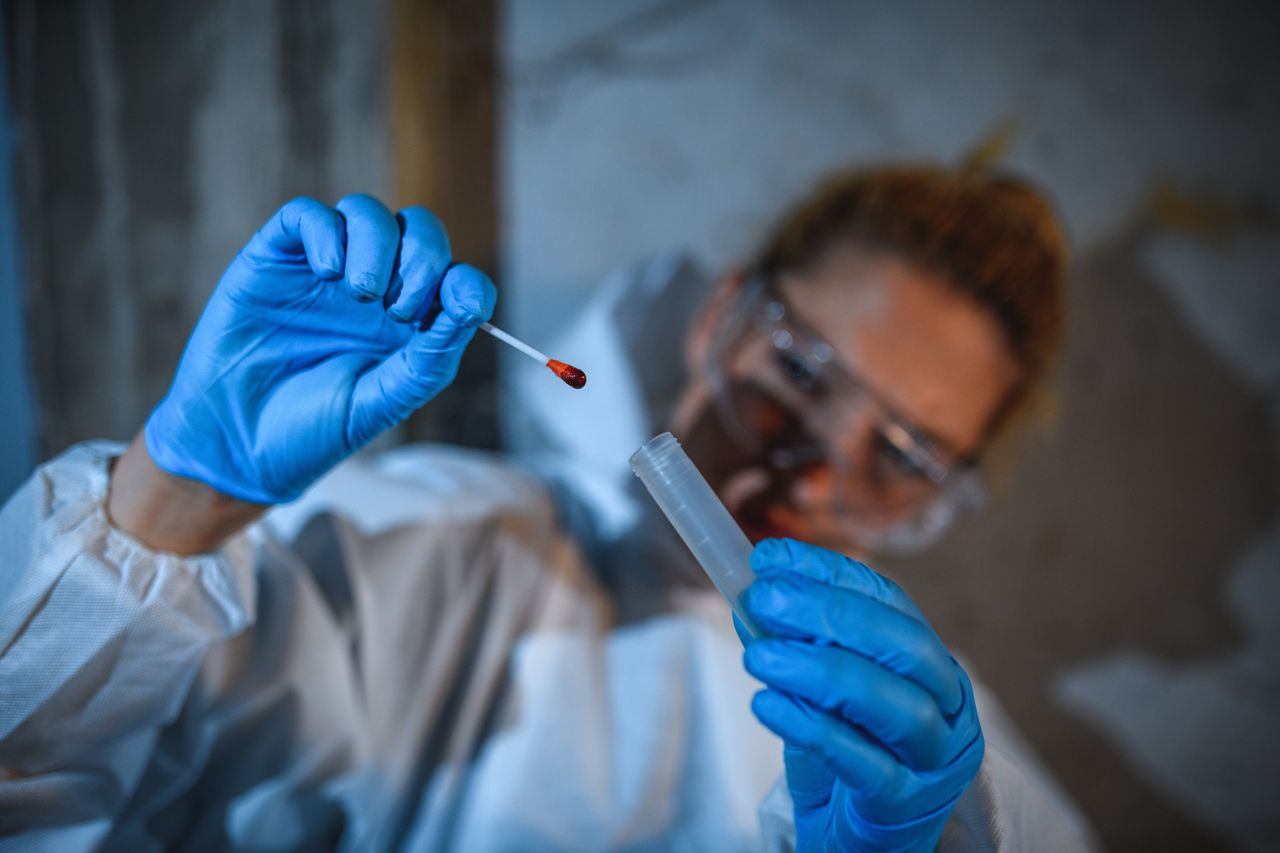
x,y
329,327
880,731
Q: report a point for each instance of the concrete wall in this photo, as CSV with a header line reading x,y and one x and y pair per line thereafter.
x,y
153,138
1114,595
17,429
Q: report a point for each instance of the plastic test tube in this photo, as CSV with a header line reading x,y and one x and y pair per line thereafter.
x,y
683,495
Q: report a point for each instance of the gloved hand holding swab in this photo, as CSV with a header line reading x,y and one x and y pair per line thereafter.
x,y
570,375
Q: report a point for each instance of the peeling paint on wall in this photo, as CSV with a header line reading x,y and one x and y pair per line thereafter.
x,y
154,138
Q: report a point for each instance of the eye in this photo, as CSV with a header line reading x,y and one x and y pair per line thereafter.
x,y
798,370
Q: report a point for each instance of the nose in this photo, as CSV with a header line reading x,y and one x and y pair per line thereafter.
x,y
834,481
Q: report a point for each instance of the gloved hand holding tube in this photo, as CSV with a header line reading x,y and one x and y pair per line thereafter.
x,y
330,326
882,735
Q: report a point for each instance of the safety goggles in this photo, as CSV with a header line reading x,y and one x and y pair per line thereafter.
x,y
786,399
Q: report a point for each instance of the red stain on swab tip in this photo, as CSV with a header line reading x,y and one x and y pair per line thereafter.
x,y
570,375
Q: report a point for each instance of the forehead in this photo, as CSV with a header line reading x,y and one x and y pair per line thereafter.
x,y
932,352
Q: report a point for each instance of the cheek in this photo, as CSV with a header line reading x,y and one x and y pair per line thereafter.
x,y
953,392
970,415
692,405
970,377
737,477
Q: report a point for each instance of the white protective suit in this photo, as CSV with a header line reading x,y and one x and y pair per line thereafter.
x,y
433,650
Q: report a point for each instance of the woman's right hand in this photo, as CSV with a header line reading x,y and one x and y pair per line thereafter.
x,y
329,327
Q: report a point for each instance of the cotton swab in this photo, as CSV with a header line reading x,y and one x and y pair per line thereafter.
x,y
570,375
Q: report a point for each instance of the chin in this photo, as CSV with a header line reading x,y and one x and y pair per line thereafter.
x,y
758,530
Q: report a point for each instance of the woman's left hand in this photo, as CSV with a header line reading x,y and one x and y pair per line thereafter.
x,y
878,719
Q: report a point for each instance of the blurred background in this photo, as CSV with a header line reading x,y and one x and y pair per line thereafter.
x,y
1123,594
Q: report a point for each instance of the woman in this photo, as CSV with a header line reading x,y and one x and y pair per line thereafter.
x,y
428,651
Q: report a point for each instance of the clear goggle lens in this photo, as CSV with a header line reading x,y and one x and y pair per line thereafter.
x,y
785,398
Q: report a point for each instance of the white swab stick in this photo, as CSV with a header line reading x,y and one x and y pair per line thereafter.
x,y
513,341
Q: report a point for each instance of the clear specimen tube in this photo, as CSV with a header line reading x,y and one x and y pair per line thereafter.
x,y
690,504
